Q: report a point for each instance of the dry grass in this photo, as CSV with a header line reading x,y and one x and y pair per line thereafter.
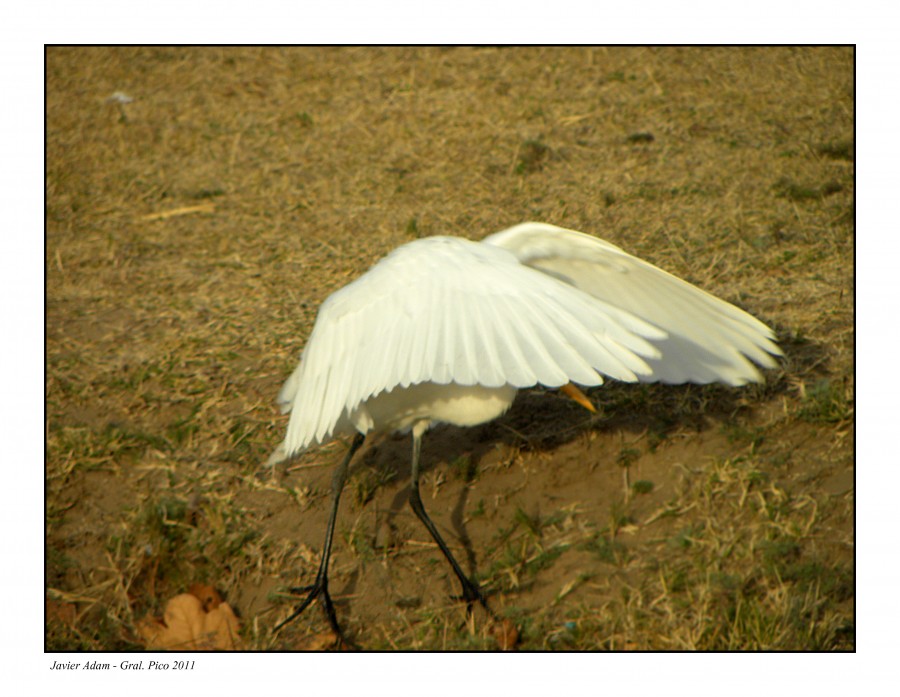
x,y
193,232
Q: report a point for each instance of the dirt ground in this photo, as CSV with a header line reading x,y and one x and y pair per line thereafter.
x,y
201,204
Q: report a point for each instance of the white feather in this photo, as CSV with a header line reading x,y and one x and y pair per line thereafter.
x,y
445,329
707,339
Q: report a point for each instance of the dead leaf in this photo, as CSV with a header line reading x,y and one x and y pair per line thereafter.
x,y
506,634
222,628
319,642
186,626
60,612
208,595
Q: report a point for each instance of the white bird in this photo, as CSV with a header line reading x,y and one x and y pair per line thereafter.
x,y
446,330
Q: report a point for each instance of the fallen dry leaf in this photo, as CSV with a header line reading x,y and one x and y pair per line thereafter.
x,y
318,642
61,612
506,634
186,626
208,595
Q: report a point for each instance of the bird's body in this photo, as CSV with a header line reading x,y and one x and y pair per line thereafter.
x,y
444,329
461,405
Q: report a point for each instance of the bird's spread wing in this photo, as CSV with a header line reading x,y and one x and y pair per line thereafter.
x,y
444,309
707,339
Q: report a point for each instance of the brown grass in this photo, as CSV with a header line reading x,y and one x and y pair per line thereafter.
x,y
193,232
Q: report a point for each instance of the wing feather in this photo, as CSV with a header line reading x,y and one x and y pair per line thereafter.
x,y
706,339
447,310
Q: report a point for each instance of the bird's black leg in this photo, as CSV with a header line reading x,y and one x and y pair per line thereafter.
x,y
319,588
470,590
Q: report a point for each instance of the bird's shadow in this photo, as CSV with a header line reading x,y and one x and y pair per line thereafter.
x,y
542,420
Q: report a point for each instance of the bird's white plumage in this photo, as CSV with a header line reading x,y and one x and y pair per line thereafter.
x,y
709,340
445,329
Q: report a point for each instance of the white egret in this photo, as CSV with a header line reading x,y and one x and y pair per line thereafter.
x,y
446,330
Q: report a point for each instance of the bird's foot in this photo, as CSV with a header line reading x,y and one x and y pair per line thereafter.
x,y
319,589
503,630
472,593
